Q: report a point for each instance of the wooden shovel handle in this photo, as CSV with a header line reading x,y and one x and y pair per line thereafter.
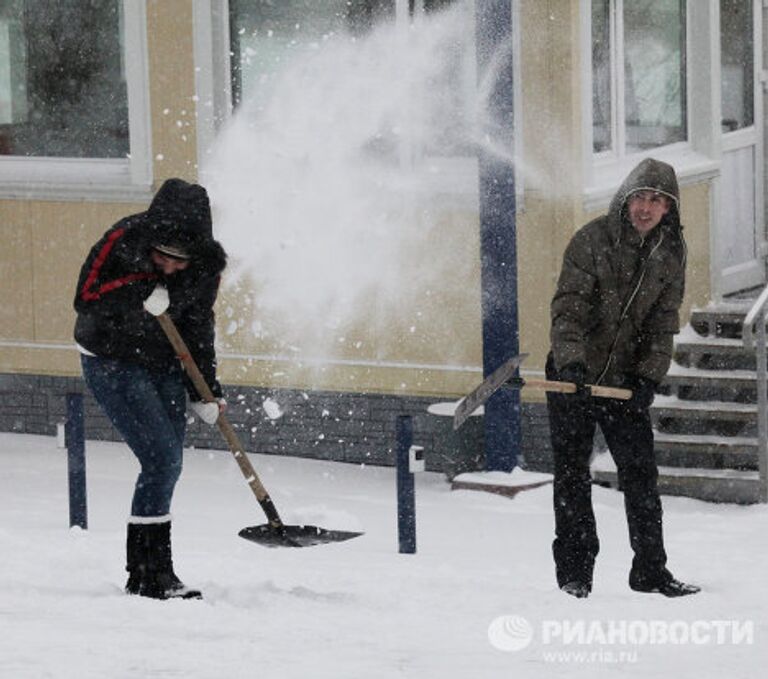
x,y
570,388
226,429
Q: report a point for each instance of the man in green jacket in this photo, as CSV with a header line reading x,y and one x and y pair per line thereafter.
x,y
614,313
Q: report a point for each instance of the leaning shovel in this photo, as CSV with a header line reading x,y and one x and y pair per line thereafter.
x,y
506,376
272,534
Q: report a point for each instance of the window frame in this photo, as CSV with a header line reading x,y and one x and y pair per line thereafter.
x,y
697,158
453,179
618,87
103,179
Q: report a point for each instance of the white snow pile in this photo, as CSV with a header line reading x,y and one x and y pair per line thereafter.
x,y
324,217
516,478
476,601
272,409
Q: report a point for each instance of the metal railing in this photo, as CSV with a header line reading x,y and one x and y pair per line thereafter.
x,y
753,333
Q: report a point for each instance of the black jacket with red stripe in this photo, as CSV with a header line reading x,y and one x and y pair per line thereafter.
x,y
118,275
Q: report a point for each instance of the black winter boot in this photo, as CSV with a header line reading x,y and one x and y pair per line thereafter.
x,y
671,588
136,550
664,583
576,588
151,571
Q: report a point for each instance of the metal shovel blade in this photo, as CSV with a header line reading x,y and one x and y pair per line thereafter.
x,y
487,388
294,536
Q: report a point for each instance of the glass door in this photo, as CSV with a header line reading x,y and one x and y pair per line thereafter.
x,y
740,229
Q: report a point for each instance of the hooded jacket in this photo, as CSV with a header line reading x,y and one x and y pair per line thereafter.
x,y
118,275
616,307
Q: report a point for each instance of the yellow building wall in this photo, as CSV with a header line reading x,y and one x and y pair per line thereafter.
x,y
172,89
551,165
44,243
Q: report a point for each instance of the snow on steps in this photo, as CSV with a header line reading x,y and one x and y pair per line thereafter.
x,y
707,451
719,351
672,406
714,373
682,375
501,483
714,485
689,336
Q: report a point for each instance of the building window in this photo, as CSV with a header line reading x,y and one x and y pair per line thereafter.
x,y
638,75
269,38
62,84
737,51
73,109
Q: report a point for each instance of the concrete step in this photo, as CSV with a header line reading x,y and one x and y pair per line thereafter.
x,y
691,341
712,485
674,415
706,451
696,384
680,375
716,353
705,436
708,352
721,320
675,407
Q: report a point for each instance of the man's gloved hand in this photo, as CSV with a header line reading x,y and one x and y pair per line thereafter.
x,y
158,301
208,411
575,373
643,391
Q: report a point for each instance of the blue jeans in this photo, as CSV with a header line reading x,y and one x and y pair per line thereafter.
x,y
148,409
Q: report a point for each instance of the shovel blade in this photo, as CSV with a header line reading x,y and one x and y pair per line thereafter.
x,y
294,536
487,388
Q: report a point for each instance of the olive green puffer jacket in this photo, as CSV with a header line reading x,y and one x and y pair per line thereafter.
x,y
618,297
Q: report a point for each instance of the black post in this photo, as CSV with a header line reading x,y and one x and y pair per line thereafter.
x,y
406,501
74,435
498,240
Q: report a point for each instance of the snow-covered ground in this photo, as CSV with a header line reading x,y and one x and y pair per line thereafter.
x,y
358,609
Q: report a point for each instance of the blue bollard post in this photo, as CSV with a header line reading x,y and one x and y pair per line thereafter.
x,y
74,436
406,502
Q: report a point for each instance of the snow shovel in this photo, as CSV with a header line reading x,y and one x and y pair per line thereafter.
x,y
272,534
504,376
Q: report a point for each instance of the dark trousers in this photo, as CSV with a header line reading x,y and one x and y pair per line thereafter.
x,y
148,409
629,435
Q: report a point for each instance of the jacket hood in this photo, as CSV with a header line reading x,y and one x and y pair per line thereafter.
x,y
649,175
210,258
180,215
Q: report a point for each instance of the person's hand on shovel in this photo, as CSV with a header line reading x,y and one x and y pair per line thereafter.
x,y
156,304
575,373
209,411
158,300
